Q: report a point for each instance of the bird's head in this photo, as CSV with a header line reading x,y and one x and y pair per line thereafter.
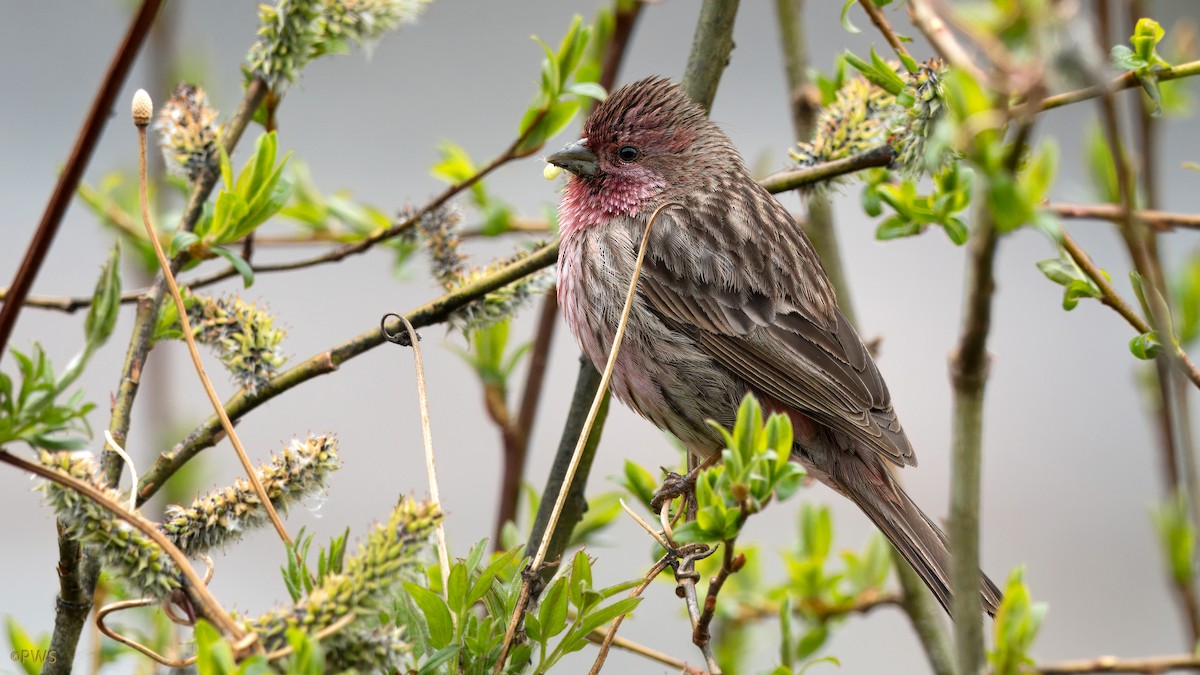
x,y
637,144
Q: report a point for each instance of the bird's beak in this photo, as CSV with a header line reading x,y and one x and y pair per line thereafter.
x,y
577,158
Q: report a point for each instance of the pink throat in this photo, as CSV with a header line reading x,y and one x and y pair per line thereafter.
x,y
582,208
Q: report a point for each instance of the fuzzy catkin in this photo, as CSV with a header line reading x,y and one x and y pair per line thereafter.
x,y
223,515
390,554
127,553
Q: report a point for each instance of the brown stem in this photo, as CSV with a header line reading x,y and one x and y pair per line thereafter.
x,y
881,22
1152,665
943,41
614,53
1162,221
190,339
806,103
516,433
147,311
685,579
496,403
68,180
863,603
611,634
730,563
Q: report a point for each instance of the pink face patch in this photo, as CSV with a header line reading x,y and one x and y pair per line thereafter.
x,y
596,201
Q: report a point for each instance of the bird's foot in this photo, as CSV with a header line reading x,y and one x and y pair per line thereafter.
x,y
677,485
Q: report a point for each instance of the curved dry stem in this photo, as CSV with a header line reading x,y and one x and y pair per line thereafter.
x,y
611,633
427,438
185,326
208,605
102,614
540,557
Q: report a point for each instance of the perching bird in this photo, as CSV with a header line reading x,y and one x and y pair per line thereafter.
x,y
731,300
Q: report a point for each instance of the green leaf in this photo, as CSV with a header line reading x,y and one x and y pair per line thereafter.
x,y
577,638
239,263
1039,175
1125,59
581,579
571,49
1145,346
306,657
106,301
639,482
895,227
591,90
813,640
885,78
1059,271
230,209
484,583
436,613
847,25
181,241
436,660
1177,537
786,646
1015,627
956,229
895,82
25,651
214,656
552,614
457,592
546,126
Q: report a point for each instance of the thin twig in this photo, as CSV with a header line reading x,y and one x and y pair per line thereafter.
x,y
1127,80
685,587
103,612
1162,221
540,557
943,41
427,438
1153,665
147,312
81,154
598,635
885,27
1110,297
515,433
1139,240
863,603
611,634
186,328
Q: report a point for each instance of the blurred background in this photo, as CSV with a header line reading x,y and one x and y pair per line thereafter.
x,y
1071,466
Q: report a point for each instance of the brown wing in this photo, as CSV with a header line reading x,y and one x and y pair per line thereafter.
x,y
752,293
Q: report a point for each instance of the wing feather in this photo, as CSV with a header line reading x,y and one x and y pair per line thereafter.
x,y
773,321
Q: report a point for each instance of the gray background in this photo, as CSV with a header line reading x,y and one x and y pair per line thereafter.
x,y
1070,467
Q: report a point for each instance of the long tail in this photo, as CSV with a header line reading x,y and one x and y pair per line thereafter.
x,y
922,543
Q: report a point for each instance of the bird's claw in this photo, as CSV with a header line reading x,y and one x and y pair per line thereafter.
x,y
677,485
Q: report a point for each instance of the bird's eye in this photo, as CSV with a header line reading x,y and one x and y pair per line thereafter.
x,y
628,153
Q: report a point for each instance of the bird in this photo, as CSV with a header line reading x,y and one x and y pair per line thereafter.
x,y
731,300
